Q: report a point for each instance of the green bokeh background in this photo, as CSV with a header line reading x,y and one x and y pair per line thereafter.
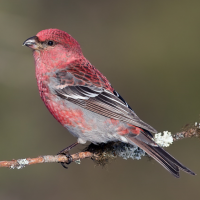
x,y
149,50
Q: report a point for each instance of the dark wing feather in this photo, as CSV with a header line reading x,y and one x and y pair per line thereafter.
x,y
159,154
103,102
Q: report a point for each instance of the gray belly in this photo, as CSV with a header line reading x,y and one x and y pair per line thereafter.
x,y
94,128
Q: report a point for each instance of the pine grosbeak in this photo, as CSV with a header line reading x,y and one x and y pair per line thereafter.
x,y
83,100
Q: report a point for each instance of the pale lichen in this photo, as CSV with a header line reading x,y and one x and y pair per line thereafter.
x,y
164,140
21,164
126,151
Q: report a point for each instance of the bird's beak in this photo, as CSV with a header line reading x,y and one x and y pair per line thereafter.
x,y
32,42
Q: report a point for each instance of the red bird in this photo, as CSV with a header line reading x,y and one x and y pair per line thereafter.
x,y
83,100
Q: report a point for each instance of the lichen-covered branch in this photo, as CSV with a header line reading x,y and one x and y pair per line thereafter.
x,y
102,153
20,163
188,131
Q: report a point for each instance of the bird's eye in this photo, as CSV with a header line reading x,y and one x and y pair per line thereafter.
x,y
50,43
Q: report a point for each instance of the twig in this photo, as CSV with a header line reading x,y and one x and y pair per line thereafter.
x,y
188,132
20,163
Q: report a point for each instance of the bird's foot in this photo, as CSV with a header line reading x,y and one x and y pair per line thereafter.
x,y
66,153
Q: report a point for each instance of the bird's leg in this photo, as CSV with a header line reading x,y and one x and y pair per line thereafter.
x,y
65,152
67,149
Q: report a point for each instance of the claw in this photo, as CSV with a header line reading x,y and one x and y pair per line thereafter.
x,y
70,159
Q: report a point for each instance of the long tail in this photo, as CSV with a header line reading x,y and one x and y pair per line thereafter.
x,y
159,154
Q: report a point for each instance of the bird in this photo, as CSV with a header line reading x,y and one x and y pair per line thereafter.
x,y
82,99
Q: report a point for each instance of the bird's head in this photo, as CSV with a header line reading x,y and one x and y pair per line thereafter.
x,y
54,41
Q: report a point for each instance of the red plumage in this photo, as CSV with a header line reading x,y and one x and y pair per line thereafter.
x,y
82,99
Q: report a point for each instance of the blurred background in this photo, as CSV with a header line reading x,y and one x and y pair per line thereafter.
x,y
149,50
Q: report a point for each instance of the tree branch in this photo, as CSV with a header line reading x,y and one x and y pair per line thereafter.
x,y
101,153
20,163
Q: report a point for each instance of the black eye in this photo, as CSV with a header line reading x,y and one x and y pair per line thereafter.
x,y
50,43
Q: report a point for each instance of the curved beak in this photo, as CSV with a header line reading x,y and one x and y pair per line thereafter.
x,y
31,42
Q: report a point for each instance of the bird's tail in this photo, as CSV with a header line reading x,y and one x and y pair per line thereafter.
x,y
159,154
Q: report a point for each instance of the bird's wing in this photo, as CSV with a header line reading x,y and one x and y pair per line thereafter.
x,y
91,93
91,90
